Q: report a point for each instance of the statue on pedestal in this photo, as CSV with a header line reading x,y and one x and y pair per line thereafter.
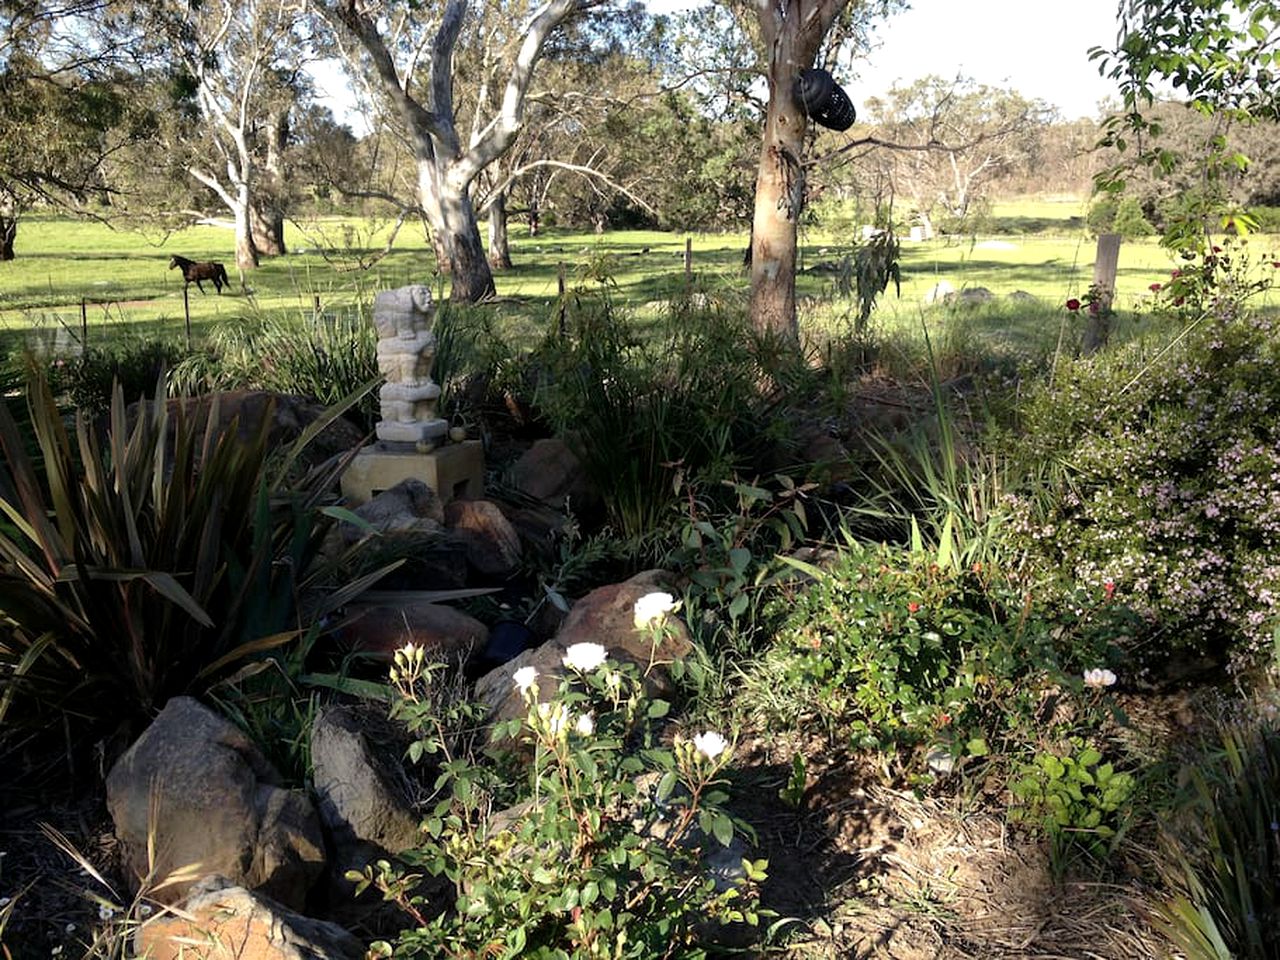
x,y
406,349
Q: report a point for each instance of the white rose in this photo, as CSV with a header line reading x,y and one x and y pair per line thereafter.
x,y
653,606
523,679
710,744
1099,678
586,725
585,657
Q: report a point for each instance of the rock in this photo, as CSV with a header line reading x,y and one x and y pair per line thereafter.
x,y
492,544
400,508
549,471
363,800
363,796
1022,296
972,296
288,415
940,292
222,921
446,634
605,616
218,809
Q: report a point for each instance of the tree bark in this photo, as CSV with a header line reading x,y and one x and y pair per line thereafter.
x,y
793,31
499,241
445,169
246,251
8,236
267,219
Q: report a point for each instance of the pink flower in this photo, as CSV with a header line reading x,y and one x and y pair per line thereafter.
x,y
913,607
1176,274
1156,287
1073,304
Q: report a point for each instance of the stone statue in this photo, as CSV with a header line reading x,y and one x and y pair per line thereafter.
x,y
406,349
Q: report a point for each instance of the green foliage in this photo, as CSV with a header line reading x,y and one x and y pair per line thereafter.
x,y
1165,496
1079,801
728,556
1102,214
689,398
1220,850
1219,56
150,562
883,649
1129,220
600,852
136,363
875,263
325,358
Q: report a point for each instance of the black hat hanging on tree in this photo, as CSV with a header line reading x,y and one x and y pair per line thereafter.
x,y
823,100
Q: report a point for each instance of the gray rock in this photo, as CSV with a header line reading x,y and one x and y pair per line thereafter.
x,y
549,471
410,507
199,791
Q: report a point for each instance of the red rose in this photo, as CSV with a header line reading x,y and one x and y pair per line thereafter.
x,y
1108,589
1275,264
1176,274
1073,304
912,607
1217,249
1156,287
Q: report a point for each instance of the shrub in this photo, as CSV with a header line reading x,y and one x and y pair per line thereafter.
x,y
1169,497
692,397
151,562
601,852
134,363
325,358
1102,214
887,648
1129,220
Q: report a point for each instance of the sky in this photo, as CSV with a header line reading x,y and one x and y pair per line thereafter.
x,y
1038,47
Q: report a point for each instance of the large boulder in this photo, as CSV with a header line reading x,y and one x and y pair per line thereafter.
x,y
492,544
446,634
362,793
549,471
220,921
287,417
409,508
195,790
605,616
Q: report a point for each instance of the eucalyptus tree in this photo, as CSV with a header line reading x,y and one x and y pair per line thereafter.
x,y
788,36
239,63
943,142
66,106
412,56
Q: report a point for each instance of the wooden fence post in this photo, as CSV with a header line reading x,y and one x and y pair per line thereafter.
x,y
84,326
186,312
1105,265
688,263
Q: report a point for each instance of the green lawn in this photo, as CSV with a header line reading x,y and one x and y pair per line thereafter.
x,y
123,277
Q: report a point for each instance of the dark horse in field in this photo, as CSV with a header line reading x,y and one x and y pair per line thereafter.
x,y
193,271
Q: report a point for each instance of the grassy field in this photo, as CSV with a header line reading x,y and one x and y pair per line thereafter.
x,y
1037,246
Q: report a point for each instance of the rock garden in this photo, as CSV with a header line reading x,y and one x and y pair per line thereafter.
x,y
645,641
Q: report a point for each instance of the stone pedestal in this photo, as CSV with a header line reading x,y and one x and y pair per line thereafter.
x,y
408,426
454,472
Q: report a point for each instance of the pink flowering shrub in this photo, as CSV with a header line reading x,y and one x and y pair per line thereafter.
x,y
1170,484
